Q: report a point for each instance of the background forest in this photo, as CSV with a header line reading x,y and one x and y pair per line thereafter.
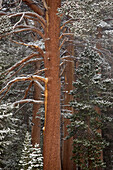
x,y
56,84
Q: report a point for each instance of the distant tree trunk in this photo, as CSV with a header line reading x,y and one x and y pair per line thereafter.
x,y
69,78
36,121
36,124
51,147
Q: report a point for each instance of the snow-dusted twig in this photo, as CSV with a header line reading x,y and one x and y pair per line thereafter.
x,y
24,64
68,57
5,93
27,90
65,34
62,71
19,63
39,71
63,53
19,20
28,78
65,39
35,19
39,85
32,46
66,23
28,28
28,101
32,14
62,63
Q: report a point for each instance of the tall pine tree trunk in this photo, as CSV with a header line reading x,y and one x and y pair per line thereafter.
x,y
51,148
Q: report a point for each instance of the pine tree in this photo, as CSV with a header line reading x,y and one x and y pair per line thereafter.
x,y
92,90
36,158
31,157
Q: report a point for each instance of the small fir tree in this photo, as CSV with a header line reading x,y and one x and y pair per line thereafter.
x,y
36,158
31,157
92,95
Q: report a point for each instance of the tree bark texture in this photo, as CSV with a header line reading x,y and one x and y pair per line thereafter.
x,y
51,147
69,78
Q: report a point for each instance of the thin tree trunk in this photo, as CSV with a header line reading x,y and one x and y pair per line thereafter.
x,y
51,147
35,134
36,121
69,78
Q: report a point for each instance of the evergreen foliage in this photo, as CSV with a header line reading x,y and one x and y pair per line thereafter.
x,y
9,119
92,95
31,158
86,15
5,24
7,133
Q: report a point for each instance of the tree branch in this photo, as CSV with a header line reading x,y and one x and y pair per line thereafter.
x,y
65,39
35,60
65,23
65,34
39,85
19,63
34,7
5,93
27,90
19,20
39,71
32,46
29,78
32,14
28,28
28,101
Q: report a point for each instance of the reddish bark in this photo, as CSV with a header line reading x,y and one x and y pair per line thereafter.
x,y
51,146
36,121
35,135
67,146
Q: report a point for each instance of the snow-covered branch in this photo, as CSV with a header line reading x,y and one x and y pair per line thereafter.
x,y
27,90
28,101
65,34
19,21
39,71
39,85
65,23
20,62
65,39
32,46
28,28
23,65
18,79
31,14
